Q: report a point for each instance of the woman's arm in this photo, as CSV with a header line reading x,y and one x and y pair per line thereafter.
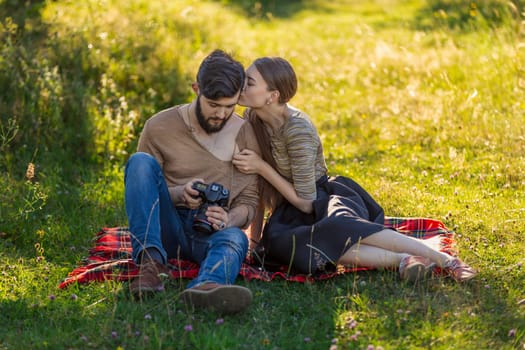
x,y
249,162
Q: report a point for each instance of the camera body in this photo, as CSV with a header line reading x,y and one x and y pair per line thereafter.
x,y
212,194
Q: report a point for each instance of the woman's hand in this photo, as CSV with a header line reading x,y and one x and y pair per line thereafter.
x,y
248,162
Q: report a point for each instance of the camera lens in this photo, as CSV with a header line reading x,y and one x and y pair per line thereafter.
x,y
200,222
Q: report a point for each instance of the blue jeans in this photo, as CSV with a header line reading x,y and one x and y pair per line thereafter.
x,y
154,222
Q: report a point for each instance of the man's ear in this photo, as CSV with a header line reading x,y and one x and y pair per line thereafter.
x,y
195,87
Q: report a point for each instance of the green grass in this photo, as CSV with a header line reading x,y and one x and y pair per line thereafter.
x,y
422,102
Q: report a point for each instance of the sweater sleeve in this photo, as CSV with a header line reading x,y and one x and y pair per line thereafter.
x,y
302,144
147,145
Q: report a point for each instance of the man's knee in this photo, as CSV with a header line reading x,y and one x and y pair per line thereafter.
x,y
232,236
141,162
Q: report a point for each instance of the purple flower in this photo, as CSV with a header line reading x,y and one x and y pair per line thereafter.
x,y
188,328
512,333
352,324
147,317
307,339
219,321
114,334
52,297
74,297
370,347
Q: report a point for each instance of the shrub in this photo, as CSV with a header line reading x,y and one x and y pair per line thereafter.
x,y
471,15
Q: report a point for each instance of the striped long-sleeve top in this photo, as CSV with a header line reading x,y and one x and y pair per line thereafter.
x,y
298,153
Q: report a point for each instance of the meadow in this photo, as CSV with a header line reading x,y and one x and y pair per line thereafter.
x,y
421,102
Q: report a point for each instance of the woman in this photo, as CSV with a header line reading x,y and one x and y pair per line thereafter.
x,y
318,221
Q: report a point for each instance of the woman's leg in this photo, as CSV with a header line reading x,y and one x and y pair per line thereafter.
x,y
368,256
396,242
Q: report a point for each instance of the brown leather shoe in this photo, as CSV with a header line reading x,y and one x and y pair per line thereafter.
x,y
222,298
149,278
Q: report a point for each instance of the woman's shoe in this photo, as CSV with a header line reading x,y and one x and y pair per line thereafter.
x,y
415,268
459,271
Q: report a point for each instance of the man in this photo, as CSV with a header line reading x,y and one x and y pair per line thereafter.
x,y
185,155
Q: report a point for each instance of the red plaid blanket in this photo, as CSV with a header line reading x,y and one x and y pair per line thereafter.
x,y
110,258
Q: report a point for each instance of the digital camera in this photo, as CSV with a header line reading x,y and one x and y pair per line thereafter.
x,y
212,194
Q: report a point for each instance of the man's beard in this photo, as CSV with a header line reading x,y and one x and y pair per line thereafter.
x,y
203,122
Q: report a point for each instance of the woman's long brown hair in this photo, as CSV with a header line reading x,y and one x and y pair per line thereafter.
x,y
270,198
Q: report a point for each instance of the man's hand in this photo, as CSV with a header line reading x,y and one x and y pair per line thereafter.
x,y
218,217
190,197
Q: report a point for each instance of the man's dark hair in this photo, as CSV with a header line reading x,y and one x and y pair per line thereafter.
x,y
220,76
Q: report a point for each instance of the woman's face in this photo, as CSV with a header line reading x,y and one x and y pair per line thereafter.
x,y
255,93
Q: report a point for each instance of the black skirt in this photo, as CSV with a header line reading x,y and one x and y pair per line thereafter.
x,y
343,213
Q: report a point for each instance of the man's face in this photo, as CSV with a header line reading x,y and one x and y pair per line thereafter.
x,y
212,115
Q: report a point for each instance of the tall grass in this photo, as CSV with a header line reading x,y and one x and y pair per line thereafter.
x,y
422,102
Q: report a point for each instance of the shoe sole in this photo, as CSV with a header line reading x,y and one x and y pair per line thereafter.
x,y
470,276
223,299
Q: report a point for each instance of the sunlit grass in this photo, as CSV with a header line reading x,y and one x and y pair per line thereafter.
x,y
428,119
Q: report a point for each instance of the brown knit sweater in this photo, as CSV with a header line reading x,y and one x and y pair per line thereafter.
x,y
182,158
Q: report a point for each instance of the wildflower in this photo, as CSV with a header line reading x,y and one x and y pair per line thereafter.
x,y
30,172
52,297
74,297
83,338
137,333
370,347
333,347
188,328
114,334
351,324
147,317
219,321
512,333
307,339
265,341
334,341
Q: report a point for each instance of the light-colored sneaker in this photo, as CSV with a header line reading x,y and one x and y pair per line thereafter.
x,y
415,268
222,298
460,271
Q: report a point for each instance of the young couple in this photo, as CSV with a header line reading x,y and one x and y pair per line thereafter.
x,y
315,220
